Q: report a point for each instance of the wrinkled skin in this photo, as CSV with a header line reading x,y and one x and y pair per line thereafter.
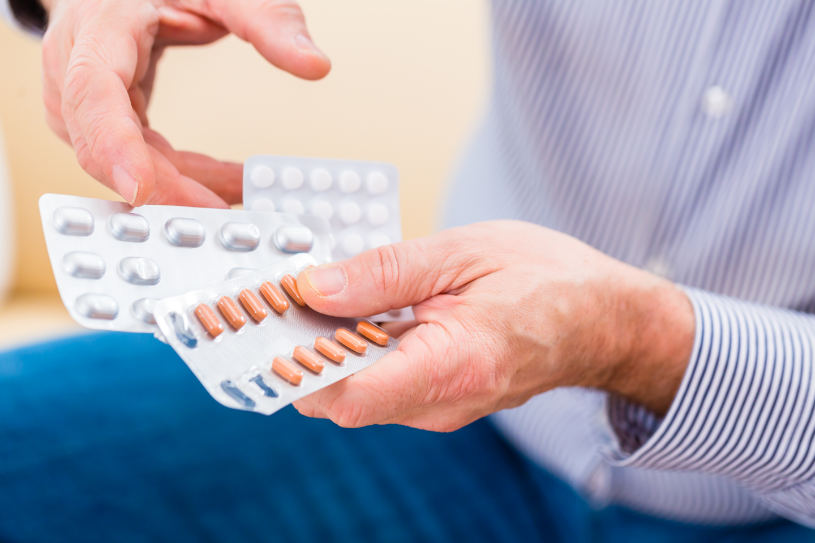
x,y
99,64
497,323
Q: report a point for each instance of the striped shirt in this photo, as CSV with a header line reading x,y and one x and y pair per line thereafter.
x,y
678,137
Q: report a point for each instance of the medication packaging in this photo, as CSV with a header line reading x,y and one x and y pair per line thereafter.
x,y
256,346
360,200
113,262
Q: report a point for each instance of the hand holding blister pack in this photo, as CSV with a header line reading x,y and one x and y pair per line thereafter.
x,y
219,284
254,345
359,200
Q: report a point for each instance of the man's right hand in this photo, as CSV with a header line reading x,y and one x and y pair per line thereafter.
x,y
99,63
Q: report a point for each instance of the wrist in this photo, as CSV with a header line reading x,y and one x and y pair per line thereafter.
x,y
657,340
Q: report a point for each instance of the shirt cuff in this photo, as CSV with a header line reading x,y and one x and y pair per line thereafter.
x,y
745,406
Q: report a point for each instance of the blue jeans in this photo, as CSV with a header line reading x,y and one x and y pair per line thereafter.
x,y
108,437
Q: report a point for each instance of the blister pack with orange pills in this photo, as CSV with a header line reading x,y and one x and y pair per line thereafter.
x,y
112,262
254,344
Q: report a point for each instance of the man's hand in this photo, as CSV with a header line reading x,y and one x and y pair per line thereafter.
x,y
99,63
505,310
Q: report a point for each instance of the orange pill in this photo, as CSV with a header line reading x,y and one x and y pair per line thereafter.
x,y
329,349
289,284
275,298
231,312
351,340
209,320
287,370
252,304
309,359
372,332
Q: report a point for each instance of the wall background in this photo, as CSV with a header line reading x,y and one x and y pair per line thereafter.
x,y
407,86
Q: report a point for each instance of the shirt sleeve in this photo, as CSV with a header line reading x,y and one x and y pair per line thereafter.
x,y
27,15
744,409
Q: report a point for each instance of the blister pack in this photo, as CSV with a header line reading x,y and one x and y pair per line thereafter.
x,y
255,346
358,199
112,262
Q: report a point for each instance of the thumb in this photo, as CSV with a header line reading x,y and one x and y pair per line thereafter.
x,y
391,276
277,29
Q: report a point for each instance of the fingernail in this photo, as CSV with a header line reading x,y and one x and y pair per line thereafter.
x,y
302,41
327,280
125,184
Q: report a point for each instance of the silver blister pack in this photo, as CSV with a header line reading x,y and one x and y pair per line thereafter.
x,y
359,200
113,262
236,367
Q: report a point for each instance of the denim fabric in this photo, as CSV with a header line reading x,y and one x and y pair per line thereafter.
x,y
108,437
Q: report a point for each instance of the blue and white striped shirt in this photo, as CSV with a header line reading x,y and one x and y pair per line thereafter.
x,y
679,137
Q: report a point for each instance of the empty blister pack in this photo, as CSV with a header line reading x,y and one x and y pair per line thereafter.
x,y
359,200
112,262
254,345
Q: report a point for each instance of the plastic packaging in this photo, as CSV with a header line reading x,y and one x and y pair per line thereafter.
x,y
358,199
263,365
113,262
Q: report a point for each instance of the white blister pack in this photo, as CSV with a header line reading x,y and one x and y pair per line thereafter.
x,y
113,262
358,199
257,349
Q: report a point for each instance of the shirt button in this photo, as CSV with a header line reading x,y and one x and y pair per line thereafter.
x,y
658,266
716,103
598,484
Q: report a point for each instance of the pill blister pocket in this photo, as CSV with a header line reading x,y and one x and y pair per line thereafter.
x,y
262,361
113,262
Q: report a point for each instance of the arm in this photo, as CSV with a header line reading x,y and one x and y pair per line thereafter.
x,y
99,64
507,310
744,409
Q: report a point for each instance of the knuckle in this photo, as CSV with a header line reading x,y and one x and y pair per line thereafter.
x,y
387,269
286,9
346,414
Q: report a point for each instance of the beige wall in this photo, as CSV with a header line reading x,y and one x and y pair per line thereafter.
x,y
407,86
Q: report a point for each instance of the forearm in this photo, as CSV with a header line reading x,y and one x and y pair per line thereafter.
x,y
743,409
656,320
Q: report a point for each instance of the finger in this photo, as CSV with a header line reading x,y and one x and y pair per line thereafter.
x,y
175,188
96,105
179,26
277,29
398,385
397,329
394,276
223,178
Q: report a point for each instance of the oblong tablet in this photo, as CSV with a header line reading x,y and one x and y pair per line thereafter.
x,y
287,370
350,340
209,320
274,297
231,312
329,349
309,359
252,304
372,332
289,284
